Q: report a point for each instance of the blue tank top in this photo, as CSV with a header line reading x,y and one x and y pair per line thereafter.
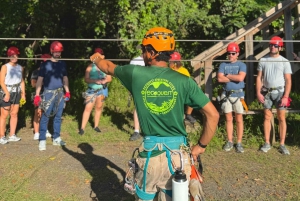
x,y
96,74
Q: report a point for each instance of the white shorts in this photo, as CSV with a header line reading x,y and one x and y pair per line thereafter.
x,y
236,107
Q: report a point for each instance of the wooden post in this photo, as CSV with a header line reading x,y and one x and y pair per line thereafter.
x,y
250,68
208,78
288,35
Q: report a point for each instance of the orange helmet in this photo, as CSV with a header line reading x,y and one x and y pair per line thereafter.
x,y
56,46
45,56
175,56
233,47
160,38
99,50
12,51
276,40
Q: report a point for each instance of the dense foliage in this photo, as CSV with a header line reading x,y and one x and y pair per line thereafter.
x,y
116,19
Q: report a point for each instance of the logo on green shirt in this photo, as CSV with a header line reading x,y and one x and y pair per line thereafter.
x,y
159,96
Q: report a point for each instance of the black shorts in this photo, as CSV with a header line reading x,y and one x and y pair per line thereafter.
x,y
14,100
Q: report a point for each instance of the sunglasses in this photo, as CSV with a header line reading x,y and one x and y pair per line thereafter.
x,y
231,53
276,46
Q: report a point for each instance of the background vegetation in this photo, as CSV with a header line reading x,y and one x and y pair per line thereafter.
x,y
127,20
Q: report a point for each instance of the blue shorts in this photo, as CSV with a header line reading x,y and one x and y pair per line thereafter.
x,y
92,92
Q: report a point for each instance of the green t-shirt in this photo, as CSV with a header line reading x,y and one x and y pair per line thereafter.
x,y
159,96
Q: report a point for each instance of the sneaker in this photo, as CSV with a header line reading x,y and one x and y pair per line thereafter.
x,y
42,145
3,140
283,150
189,118
239,148
13,138
266,147
36,136
81,131
97,129
228,146
48,134
135,136
58,142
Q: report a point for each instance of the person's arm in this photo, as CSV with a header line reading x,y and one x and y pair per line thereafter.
x,y
107,79
66,84
2,83
287,89
23,93
87,78
260,97
237,78
209,129
38,85
106,66
222,78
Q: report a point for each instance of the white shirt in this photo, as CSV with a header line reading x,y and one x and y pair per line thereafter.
x,y
138,61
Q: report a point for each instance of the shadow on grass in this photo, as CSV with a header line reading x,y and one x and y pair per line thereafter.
x,y
105,184
120,118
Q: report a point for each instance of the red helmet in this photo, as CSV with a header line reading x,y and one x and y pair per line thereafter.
x,y
99,50
233,47
276,40
12,51
56,46
175,56
45,56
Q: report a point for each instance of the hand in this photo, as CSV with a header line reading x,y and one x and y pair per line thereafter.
x,y
285,101
295,56
67,96
196,150
6,97
260,98
95,56
37,100
99,82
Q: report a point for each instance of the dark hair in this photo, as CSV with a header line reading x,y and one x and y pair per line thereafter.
x,y
178,63
163,56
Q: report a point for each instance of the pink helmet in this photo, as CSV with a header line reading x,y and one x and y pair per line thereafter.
x,y
175,56
45,56
99,50
12,51
56,46
233,47
276,40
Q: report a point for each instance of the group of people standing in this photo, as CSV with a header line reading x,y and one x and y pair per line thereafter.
x,y
51,85
273,87
161,91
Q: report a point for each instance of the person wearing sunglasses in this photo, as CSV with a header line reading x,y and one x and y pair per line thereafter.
x,y
273,86
232,74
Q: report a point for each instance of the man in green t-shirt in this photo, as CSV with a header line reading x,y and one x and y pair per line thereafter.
x,y
159,94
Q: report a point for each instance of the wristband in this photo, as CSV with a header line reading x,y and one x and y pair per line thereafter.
x,y
201,145
285,97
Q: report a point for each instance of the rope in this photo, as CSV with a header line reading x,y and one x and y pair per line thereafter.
x,y
139,40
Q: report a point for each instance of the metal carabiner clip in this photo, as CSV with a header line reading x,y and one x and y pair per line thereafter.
x,y
181,159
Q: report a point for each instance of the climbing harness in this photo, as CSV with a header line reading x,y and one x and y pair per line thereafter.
x,y
265,90
13,87
225,94
45,104
168,144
